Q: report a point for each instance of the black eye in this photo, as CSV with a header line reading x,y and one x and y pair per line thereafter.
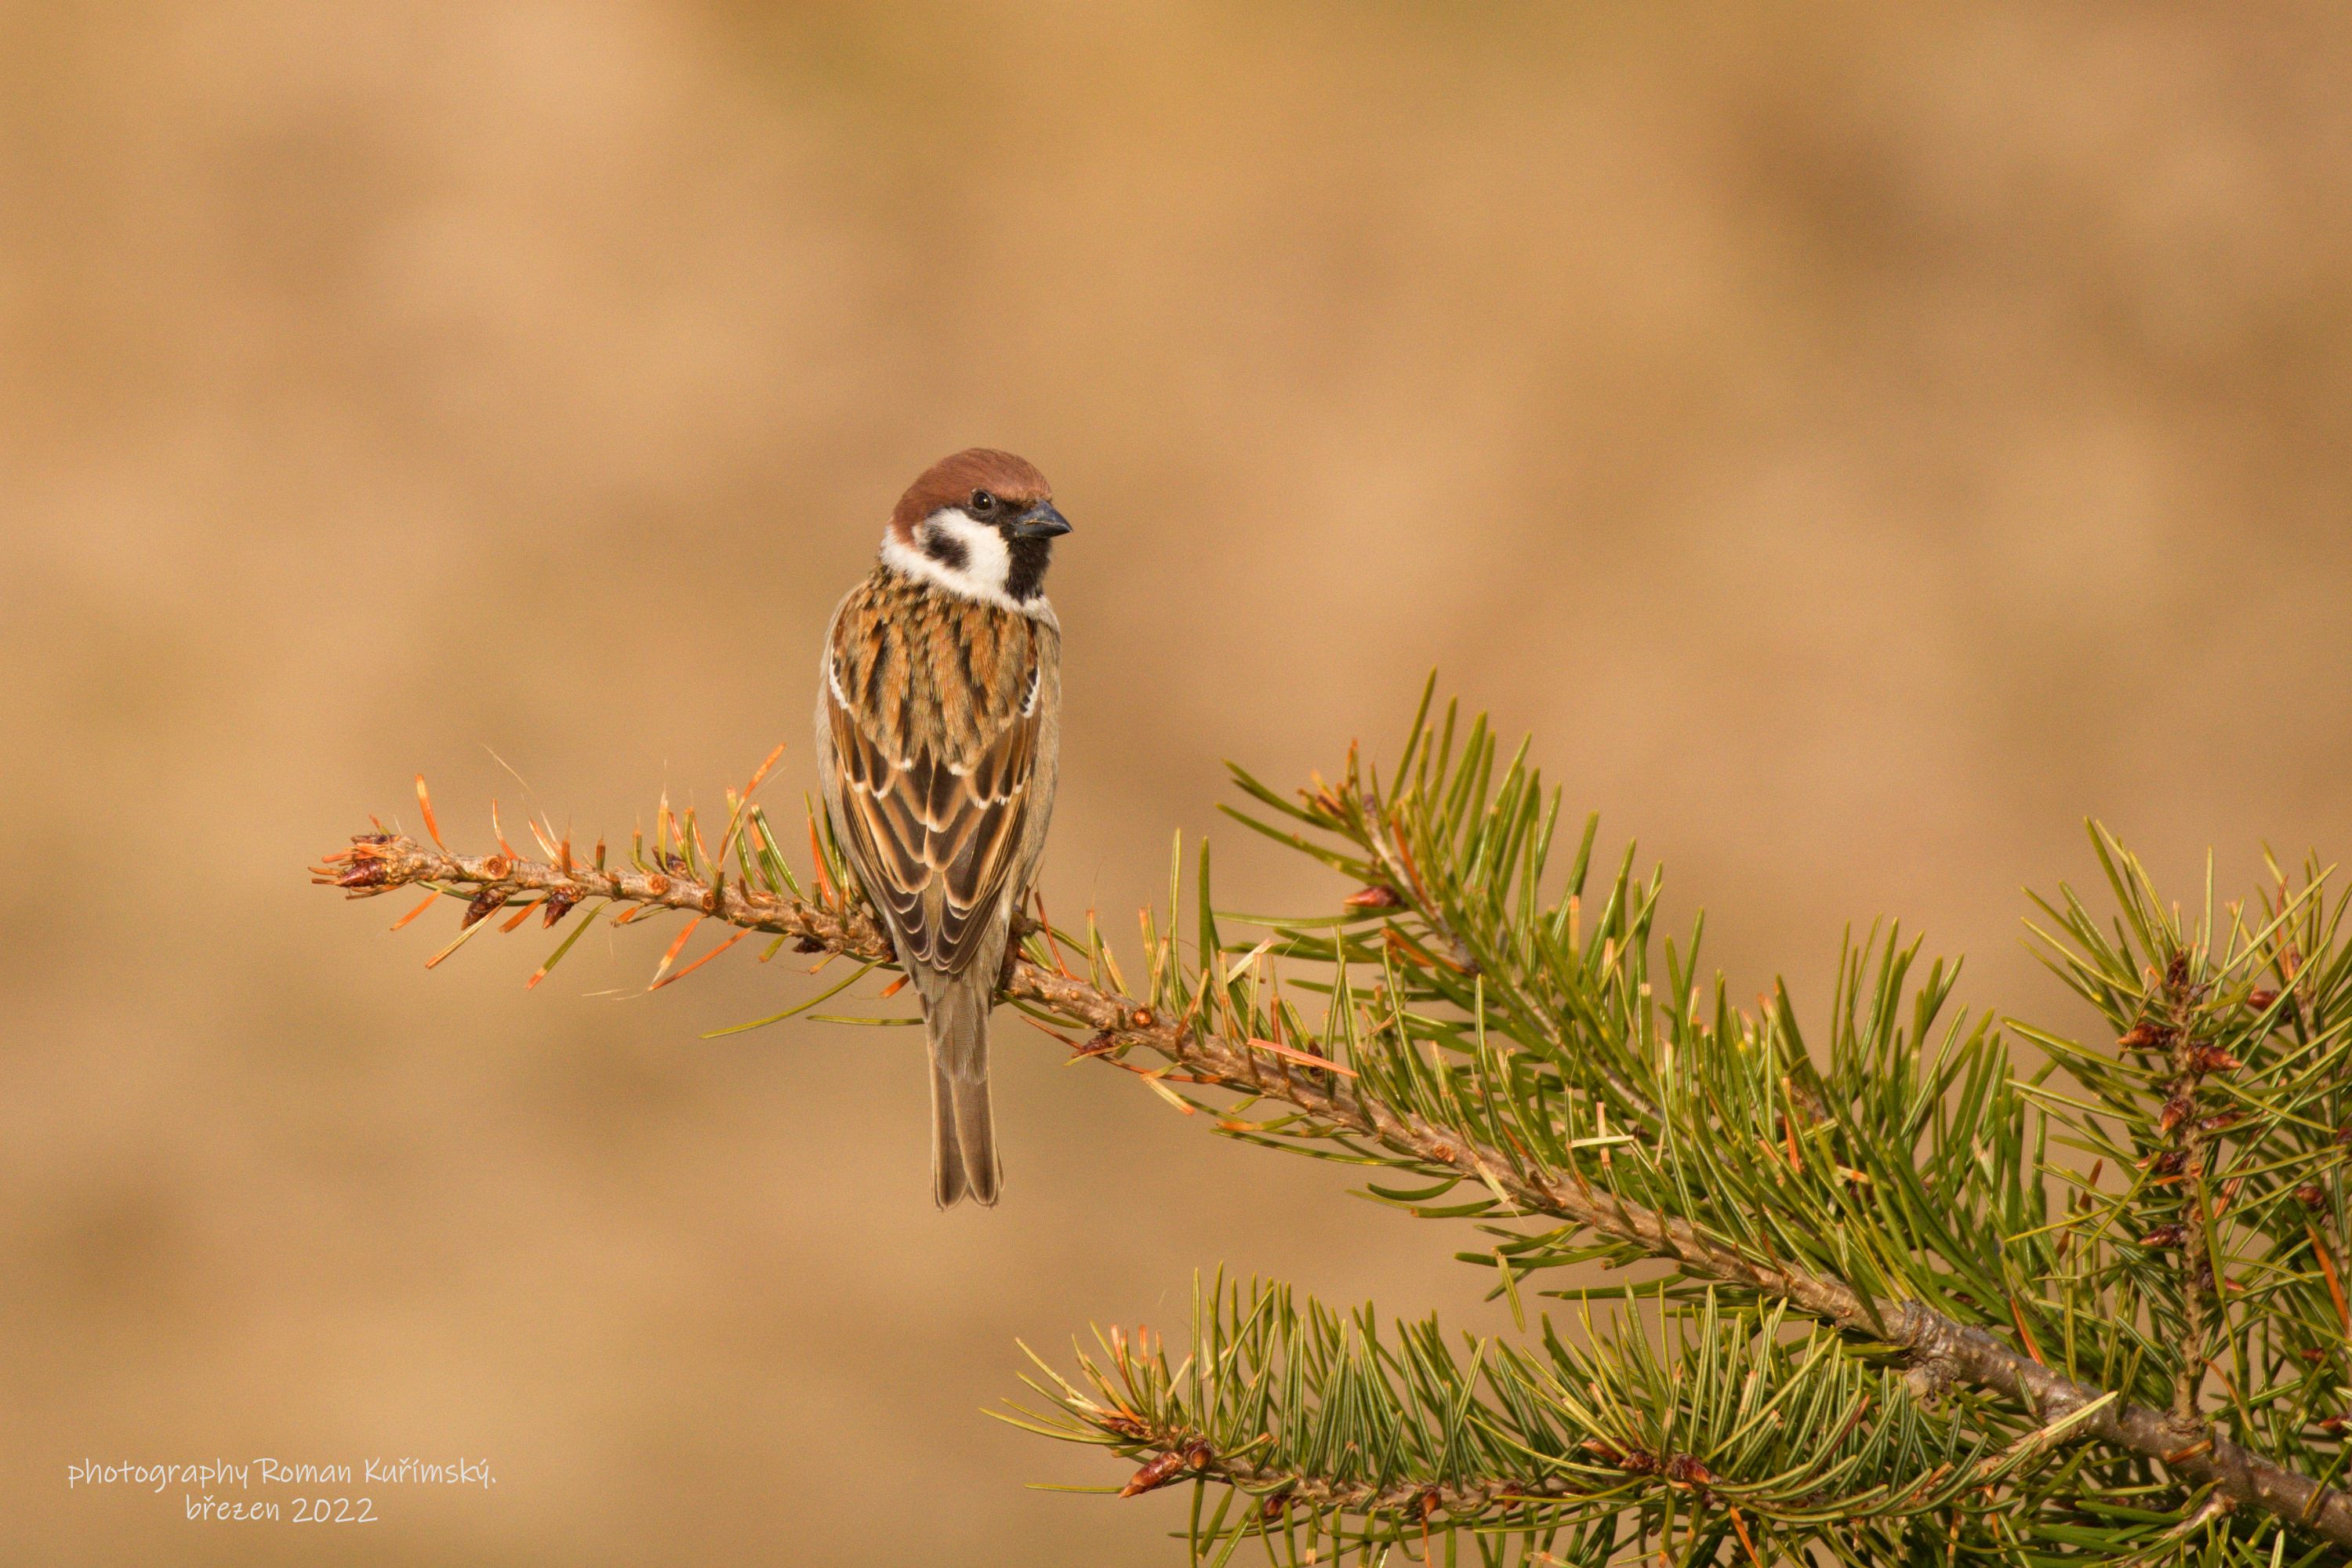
x,y
982,503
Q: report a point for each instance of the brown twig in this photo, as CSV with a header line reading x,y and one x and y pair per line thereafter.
x,y
2181,1120
1178,1454
379,862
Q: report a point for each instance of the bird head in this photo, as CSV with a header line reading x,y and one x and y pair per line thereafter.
x,y
981,523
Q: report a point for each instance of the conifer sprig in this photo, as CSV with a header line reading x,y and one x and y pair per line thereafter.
x,y
2140,1361
1724,1427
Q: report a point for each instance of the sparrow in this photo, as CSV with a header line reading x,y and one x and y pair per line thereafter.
x,y
938,732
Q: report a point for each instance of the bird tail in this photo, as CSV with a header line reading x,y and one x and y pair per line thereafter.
x,y
963,1129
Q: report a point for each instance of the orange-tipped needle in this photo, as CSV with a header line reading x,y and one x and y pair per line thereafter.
x,y
2017,1316
738,807
1045,924
760,774
816,851
674,949
2327,1266
1313,1061
699,962
430,899
425,801
499,834
1051,1034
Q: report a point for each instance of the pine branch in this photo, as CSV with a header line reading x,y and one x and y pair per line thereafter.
x,y
1320,1090
2221,1101
1723,1417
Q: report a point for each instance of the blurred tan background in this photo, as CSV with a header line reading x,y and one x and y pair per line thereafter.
x,y
1859,441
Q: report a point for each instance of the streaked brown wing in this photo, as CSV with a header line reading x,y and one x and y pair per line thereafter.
x,y
932,811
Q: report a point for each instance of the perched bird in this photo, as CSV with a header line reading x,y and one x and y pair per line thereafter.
x,y
938,727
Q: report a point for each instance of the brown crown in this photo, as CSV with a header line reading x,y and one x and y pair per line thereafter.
x,y
950,481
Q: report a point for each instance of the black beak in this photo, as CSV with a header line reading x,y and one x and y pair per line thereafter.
x,y
1040,522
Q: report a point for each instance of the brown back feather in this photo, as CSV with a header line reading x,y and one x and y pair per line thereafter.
x,y
937,756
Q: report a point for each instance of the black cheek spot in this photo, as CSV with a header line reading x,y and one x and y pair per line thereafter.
x,y
947,550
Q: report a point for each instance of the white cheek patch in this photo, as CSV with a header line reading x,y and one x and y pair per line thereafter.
x,y
987,563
